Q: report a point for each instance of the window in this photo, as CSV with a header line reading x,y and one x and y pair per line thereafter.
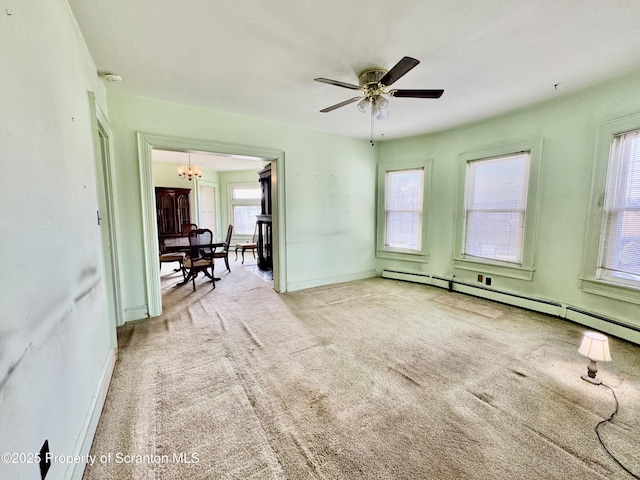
x,y
497,204
495,207
402,203
619,259
611,262
403,209
245,205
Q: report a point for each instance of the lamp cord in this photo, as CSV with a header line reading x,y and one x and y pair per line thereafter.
x,y
600,439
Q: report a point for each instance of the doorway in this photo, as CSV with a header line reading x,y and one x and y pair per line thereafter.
x,y
146,144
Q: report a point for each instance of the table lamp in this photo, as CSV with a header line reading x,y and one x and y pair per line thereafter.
x,y
594,346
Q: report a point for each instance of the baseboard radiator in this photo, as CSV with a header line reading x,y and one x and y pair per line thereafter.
x,y
606,324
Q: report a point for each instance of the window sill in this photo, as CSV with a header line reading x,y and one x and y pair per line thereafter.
x,y
626,293
494,268
406,255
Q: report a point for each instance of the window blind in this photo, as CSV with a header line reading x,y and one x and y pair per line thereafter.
x,y
495,207
620,241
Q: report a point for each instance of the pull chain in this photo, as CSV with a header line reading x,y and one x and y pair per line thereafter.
x,y
372,123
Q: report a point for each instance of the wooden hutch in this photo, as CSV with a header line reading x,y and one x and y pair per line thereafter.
x,y
173,210
265,243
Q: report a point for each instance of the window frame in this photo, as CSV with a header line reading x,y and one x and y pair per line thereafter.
x,y
525,268
394,253
241,202
591,281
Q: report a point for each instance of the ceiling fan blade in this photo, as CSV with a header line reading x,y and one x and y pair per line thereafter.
x,y
398,70
337,83
341,104
416,93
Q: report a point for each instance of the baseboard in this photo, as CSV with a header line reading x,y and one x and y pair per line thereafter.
x,y
137,312
85,439
557,309
318,282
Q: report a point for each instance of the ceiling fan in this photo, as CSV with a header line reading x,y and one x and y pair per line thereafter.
x,y
373,83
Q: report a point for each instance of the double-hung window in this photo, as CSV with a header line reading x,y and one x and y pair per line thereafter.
x,y
496,216
403,209
495,207
619,259
245,205
611,264
402,204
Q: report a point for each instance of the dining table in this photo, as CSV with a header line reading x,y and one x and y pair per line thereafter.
x,y
181,244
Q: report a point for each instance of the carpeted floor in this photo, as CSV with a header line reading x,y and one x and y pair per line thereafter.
x,y
369,379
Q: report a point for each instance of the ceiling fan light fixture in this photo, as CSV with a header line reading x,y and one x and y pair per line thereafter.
x,y
381,103
362,104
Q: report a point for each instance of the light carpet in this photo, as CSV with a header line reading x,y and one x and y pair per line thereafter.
x,y
369,379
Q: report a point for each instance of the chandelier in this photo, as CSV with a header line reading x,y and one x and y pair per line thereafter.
x,y
189,171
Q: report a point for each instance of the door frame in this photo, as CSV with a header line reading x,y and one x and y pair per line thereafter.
x,y
146,143
107,215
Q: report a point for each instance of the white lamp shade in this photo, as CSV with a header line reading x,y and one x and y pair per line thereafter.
x,y
595,346
362,104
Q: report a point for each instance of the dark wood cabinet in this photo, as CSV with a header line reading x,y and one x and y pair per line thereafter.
x,y
265,244
173,210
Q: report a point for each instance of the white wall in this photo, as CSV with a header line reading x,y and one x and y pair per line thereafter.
x,y
55,334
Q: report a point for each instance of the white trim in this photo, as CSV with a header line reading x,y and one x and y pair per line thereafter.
x,y
421,256
149,141
149,227
137,312
75,470
106,190
216,194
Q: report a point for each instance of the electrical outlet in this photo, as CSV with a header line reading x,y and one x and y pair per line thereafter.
x,y
45,460
480,278
488,280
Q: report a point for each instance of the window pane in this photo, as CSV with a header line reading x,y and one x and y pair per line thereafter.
x,y
496,202
245,193
495,235
403,209
404,229
404,190
244,219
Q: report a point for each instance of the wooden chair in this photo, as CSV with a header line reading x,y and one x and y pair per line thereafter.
x,y
178,256
201,254
187,227
252,245
174,257
224,253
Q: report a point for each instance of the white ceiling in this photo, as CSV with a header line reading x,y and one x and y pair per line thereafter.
x,y
259,58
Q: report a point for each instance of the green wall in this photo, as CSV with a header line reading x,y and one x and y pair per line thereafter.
x,y
568,126
56,338
328,188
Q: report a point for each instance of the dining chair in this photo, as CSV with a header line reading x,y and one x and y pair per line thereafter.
x,y
224,253
174,257
201,255
252,245
187,227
